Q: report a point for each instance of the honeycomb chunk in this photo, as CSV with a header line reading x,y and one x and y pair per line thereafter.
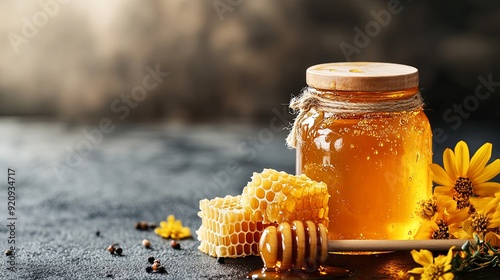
x,y
232,226
276,197
226,229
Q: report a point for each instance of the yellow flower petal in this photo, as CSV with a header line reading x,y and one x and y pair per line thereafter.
x,y
445,202
467,227
449,163
495,218
449,256
493,239
424,232
440,176
496,214
163,224
444,190
457,216
479,160
424,257
462,158
488,189
492,206
461,234
490,171
417,270
494,224
440,260
448,276
480,202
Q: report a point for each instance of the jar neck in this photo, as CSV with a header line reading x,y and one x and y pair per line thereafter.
x,y
365,96
349,103
344,102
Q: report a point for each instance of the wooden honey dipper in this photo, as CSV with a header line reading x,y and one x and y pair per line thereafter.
x,y
294,246
305,245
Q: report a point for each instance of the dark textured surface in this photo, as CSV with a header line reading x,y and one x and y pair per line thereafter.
x,y
140,172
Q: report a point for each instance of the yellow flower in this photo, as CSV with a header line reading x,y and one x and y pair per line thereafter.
x,y
427,208
172,228
436,204
463,177
437,268
486,222
443,225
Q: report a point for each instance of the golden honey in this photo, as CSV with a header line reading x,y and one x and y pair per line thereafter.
x,y
375,161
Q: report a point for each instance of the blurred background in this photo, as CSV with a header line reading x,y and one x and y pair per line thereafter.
x,y
235,60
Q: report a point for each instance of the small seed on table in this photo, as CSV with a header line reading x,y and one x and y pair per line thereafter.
x,y
119,250
111,249
174,244
155,266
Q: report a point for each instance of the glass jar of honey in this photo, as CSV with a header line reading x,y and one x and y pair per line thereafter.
x,y
361,129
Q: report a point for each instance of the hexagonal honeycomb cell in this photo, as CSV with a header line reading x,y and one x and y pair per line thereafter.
x,y
232,226
226,230
276,197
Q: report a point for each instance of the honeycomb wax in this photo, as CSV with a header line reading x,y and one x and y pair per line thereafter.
x,y
275,197
226,229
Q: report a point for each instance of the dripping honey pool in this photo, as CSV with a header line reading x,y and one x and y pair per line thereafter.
x,y
326,272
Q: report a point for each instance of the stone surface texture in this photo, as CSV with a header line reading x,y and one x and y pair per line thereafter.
x,y
66,191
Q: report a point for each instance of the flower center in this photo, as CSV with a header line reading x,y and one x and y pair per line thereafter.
x,y
442,232
463,191
480,223
472,209
433,271
427,208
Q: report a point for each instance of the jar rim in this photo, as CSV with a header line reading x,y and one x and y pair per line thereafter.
x,y
362,76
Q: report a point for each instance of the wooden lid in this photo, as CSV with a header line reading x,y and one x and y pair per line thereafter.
x,y
362,76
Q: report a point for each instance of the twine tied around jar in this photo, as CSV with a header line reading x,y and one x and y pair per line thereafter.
x,y
311,98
